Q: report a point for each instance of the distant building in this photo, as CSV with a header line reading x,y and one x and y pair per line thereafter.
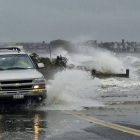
x,y
115,47
132,49
125,46
137,48
120,47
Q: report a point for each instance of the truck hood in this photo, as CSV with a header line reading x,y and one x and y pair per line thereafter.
x,y
19,74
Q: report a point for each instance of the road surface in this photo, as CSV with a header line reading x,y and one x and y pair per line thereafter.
x,y
99,123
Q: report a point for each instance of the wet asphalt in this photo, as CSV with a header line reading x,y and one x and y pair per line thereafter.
x,y
21,122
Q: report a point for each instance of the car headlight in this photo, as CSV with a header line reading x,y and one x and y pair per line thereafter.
x,y
39,80
42,86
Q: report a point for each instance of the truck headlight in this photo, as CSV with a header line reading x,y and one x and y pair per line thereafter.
x,y
42,86
35,86
39,80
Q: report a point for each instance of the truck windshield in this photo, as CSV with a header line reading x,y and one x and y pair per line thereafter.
x,y
15,61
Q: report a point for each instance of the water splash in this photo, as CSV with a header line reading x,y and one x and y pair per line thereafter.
x,y
72,89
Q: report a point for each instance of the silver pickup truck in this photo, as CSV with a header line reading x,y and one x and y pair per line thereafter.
x,y
19,77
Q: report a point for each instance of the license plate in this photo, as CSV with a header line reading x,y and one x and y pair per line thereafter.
x,y
18,96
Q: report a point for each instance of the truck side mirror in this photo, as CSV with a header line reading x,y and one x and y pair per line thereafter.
x,y
40,65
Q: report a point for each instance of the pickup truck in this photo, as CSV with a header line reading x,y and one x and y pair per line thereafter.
x,y
19,76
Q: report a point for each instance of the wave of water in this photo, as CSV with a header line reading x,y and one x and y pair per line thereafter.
x,y
75,89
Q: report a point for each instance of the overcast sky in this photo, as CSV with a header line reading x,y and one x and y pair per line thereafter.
x,y
73,20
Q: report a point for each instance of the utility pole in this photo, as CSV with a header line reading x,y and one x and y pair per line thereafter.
x,y
50,52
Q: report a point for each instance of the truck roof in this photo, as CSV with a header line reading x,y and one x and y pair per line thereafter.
x,y
11,50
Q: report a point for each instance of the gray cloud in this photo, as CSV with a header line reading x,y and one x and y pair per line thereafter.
x,y
37,20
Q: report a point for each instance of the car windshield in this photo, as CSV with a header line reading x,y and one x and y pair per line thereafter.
x,y
15,61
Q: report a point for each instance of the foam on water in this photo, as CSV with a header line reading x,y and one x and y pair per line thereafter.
x,y
120,83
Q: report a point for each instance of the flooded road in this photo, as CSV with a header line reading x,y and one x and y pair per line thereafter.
x,y
80,106
32,124
16,124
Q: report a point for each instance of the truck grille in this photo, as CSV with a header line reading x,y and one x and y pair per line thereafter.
x,y
9,88
14,82
11,85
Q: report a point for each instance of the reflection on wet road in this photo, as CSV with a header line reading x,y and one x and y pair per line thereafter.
x,y
23,125
31,124
36,126
91,123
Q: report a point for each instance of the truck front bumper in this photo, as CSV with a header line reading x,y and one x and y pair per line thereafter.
x,y
39,94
